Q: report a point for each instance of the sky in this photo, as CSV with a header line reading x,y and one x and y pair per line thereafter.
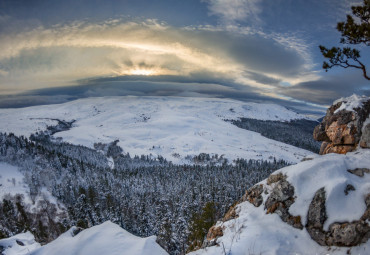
x,y
250,50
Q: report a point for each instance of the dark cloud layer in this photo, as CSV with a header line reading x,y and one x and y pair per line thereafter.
x,y
328,89
148,86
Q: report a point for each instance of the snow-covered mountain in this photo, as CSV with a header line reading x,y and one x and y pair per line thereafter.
x,y
107,238
340,216
172,127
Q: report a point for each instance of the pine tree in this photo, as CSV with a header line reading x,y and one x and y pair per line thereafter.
x,y
352,33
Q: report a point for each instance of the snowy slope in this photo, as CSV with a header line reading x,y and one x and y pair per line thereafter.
x,y
107,238
12,183
160,126
255,232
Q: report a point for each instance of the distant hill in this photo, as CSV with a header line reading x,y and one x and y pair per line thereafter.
x,y
173,127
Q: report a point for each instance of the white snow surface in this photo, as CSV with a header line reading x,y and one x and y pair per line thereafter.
x,y
107,238
26,244
351,102
160,126
12,183
255,232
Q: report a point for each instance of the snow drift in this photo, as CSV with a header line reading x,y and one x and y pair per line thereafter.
x,y
107,238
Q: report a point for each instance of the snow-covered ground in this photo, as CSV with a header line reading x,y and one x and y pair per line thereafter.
x,y
107,238
255,232
21,244
12,183
165,126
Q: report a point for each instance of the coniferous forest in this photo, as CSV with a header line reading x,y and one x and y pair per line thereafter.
x,y
294,132
145,195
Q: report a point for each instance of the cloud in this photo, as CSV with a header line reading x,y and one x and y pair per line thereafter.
x,y
264,79
150,86
18,101
3,73
326,90
231,11
60,55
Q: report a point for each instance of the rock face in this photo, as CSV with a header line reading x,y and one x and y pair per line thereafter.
x,y
339,234
280,199
254,195
343,129
214,232
365,138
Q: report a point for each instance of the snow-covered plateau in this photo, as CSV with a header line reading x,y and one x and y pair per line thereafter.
x,y
172,127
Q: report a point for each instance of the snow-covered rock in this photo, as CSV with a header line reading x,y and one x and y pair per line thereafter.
x,y
346,124
172,127
325,198
351,103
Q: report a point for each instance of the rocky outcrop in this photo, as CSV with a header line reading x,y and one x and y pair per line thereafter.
x,y
365,138
316,217
214,232
339,234
277,195
280,199
342,129
345,126
254,195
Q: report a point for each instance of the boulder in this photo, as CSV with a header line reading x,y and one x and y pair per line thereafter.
x,y
340,233
280,199
316,217
342,129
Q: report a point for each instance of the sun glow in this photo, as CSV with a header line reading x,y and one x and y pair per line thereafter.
x,y
145,72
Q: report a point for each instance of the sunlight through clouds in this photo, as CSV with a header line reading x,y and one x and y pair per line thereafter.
x,y
62,54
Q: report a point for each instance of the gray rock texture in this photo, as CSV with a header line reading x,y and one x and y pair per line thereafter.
x,y
339,233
